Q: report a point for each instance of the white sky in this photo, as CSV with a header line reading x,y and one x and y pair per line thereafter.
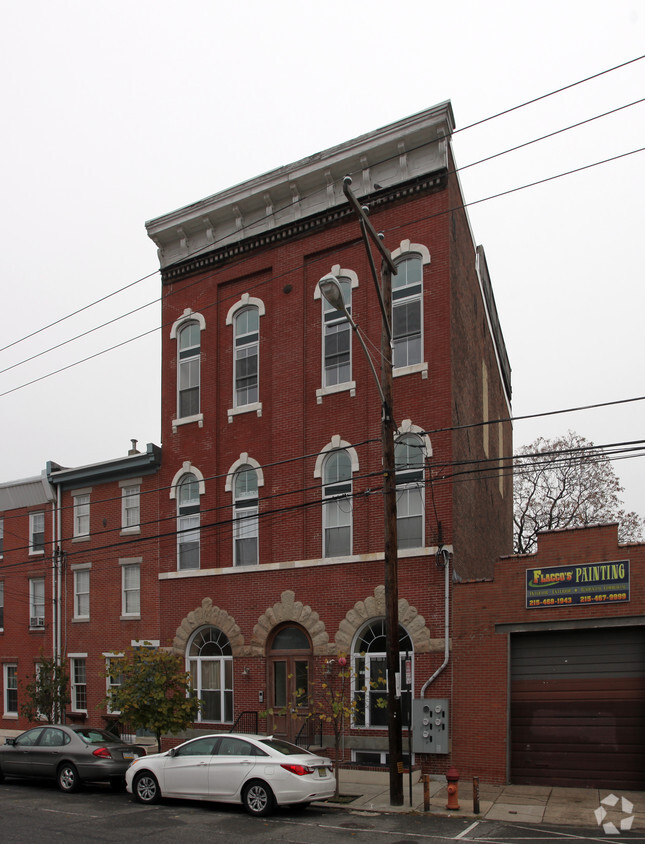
x,y
117,112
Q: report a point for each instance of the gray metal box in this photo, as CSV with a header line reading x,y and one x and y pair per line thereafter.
x,y
430,725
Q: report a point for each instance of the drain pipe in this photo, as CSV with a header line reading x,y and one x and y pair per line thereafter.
x,y
443,560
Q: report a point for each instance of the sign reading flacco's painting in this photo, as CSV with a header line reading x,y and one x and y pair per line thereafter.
x,y
590,584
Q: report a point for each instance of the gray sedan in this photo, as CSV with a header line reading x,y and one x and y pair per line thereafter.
x,y
71,755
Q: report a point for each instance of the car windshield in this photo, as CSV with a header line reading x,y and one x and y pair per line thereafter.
x,y
285,747
92,736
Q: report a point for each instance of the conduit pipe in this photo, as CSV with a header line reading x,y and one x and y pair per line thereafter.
x,y
443,552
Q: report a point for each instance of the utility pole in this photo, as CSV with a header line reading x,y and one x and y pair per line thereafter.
x,y
393,661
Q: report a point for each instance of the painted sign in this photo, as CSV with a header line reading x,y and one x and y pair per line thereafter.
x,y
589,584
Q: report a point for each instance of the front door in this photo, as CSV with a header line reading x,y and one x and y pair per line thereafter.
x,y
289,666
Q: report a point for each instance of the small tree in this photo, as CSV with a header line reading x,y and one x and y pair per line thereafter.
x,y
154,691
566,482
47,692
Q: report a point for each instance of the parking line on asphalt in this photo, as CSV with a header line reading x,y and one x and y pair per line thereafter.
x,y
465,832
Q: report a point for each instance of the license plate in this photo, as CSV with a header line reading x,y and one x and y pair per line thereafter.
x,y
322,772
130,756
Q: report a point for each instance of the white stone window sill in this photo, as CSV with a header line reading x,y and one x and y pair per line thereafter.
x,y
411,370
187,420
256,407
347,387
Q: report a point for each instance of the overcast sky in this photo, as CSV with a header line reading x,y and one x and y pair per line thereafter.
x,y
117,112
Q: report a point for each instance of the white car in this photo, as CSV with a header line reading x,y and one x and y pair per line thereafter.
x,y
258,771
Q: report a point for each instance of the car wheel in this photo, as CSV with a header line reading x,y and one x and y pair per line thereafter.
x,y
146,788
67,778
258,798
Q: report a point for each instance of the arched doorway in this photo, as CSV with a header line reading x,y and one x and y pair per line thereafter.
x,y
289,662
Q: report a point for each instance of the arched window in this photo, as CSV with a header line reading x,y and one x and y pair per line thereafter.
x,y
246,356
409,459
188,369
337,504
188,522
407,311
369,656
210,663
245,516
337,345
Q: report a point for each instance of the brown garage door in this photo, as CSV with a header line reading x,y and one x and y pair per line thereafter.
x,y
578,708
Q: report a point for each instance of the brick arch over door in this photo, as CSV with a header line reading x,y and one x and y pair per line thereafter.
x,y
374,607
288,609
209,614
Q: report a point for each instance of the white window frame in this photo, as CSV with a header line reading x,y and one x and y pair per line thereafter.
x,y
130,506
347,276
338,506
81,592
36,602
37,520
128,590
364,686
335,444
223,685
406,251
10,687
245,516
410,482
187,316
188,523
81,513
246,302
80,661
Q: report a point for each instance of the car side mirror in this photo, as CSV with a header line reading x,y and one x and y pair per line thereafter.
x,y
10,741
172,752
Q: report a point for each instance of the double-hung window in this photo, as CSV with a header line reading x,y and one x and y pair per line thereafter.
x,y
10,689
78,683
37,602
409,458
337,504
82,593
130,507
246,356
81,514
131,589
245,516
337,346
407,312
37,532
188,366
188,522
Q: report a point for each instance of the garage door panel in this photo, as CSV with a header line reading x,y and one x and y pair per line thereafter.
x,y
577,722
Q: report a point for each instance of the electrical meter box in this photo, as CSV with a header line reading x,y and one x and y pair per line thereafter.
x,y
430,725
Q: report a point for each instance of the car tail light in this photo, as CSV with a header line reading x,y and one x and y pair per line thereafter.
x,y
298,770
102,753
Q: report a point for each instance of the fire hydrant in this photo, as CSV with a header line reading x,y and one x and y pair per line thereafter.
x,y
452,775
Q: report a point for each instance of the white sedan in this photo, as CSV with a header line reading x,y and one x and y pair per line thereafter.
x,y
258,771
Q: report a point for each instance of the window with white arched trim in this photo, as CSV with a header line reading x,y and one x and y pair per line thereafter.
x,y
187,333
337,339
407,312
187,495
369,663
409,459
209,659
246,356
337,504
245,516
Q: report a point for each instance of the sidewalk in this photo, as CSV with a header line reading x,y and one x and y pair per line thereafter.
x,y
514,803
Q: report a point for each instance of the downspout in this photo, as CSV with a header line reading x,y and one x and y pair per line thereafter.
x,y
443,559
